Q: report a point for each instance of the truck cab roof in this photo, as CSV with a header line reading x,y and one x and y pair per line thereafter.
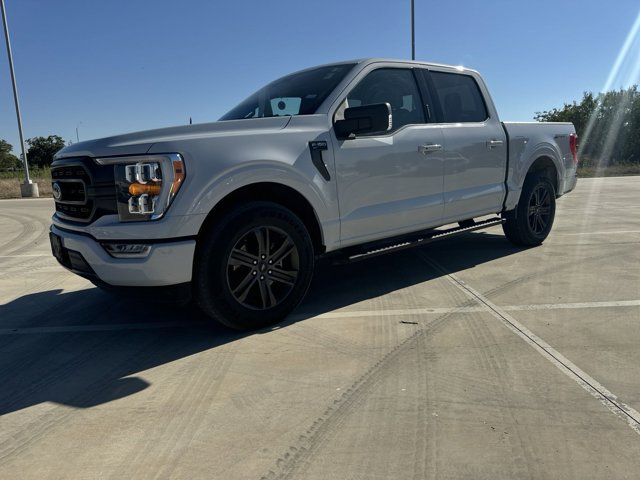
x,y
371,60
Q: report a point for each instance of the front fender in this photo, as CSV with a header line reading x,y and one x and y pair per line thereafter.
x,y
205,186
217,165
316,191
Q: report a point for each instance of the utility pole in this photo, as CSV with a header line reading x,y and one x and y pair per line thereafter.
x,y
28,188
413,32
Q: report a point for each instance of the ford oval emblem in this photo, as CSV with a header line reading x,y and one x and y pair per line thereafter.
x,y
57,191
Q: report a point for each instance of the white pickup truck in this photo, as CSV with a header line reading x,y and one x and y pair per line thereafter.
x,y
354,159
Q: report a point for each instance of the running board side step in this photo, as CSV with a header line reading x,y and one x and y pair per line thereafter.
x,y
411,241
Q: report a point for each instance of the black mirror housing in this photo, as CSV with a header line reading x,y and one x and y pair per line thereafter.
x,y
364,119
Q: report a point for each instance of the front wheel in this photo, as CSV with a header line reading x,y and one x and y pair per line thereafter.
x,y
254,266
530,222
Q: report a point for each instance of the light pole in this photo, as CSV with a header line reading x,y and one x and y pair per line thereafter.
x,y
28,188
413,32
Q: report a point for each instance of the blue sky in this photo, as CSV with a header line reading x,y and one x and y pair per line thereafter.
x,y
119,66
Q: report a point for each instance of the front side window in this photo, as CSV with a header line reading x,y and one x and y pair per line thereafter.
x,y
296,94
460,98
395,86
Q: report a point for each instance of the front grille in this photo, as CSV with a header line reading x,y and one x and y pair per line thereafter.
x,y
83,190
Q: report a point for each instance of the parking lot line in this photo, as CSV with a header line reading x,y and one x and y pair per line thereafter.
x,y
471,309
332,315
563,306
389,312
604,396
613,232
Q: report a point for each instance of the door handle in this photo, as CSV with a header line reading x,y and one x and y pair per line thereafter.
x,y
429,147
494,143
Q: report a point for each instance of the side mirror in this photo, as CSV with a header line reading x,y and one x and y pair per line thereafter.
x,y
364,119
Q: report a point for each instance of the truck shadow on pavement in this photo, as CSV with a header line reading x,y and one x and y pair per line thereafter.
x,y
84,348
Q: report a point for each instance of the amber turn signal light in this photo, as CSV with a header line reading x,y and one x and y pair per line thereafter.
x,y
178,176
136,189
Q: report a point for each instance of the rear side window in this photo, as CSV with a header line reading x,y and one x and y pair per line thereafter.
x,y
460,98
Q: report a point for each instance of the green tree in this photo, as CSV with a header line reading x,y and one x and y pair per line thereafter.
x,y
42,149
8,161
607,124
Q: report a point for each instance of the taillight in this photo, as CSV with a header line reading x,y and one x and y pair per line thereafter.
x,y
573,146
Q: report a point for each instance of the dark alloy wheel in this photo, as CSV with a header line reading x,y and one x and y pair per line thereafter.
x,y
539,211
253,266
262,268
531,221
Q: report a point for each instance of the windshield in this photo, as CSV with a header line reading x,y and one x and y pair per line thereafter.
x,y
296,94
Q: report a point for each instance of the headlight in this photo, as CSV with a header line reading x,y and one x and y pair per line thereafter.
x,y
145,185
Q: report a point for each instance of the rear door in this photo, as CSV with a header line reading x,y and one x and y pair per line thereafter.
x,y
475,152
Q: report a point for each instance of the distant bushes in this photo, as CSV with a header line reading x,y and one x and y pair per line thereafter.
x,y
40,153
608,126
8,161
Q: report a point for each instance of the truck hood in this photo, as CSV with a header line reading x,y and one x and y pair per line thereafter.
x,y
139,143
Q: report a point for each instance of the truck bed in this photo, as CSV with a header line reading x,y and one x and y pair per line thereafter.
x,y
529,140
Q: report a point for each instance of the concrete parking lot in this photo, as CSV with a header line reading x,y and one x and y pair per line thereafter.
x,y
468,359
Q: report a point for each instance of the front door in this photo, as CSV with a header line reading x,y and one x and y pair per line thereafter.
x,y
390,183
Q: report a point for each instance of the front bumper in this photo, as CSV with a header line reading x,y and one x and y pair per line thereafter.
x,y
168,262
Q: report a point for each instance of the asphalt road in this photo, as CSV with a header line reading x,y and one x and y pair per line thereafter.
x,y
467,359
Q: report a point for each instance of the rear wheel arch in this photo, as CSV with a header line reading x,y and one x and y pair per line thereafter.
x,y
546,167
278,193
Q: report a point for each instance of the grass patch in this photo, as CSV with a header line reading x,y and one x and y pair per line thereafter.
x,y
609,171
10,187
10,182
19,174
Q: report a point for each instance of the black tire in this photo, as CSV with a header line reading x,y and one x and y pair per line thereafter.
x,y
530,222
236,281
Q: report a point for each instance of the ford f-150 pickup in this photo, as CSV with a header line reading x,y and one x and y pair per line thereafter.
x,y
351,159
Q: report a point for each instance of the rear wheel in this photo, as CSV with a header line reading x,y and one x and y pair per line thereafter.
x,y
530,222
254,267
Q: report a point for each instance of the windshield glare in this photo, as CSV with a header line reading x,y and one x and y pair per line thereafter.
x,y
296,94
